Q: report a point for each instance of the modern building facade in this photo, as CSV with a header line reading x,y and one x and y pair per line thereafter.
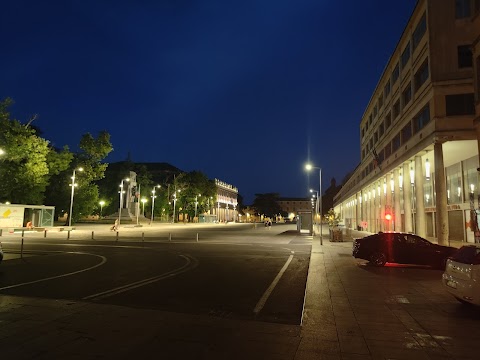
x,y
227,202
419,134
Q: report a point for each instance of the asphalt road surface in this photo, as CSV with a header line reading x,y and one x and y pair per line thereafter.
x,y
231,271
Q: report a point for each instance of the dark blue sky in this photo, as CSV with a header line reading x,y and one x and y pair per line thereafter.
x,y
245,91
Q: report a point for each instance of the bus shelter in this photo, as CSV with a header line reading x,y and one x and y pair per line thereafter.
x,y
19,215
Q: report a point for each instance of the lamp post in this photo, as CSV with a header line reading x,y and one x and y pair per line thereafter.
x,y
174,204
196,204
73,184
153,202
101,206
316,202
309,167
143,206
121,201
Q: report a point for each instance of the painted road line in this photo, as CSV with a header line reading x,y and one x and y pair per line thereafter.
x,y
266,294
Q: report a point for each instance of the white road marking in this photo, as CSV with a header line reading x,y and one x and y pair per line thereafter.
x,y
190,264
266,294
104,260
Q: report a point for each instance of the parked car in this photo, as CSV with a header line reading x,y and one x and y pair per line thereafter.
x,y
1,252
401,248
462,275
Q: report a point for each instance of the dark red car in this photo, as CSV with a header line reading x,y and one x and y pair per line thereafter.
x,y
401,248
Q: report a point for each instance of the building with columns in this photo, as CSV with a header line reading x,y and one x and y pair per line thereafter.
x,y
419,134
226,203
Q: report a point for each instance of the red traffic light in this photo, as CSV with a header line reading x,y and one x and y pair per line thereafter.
x,y
388,217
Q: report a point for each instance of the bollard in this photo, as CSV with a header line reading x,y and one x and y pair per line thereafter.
x,y
117,236
169,236
23,232
68,234
1,230
45,233
197,237
92,236
143,236
21,250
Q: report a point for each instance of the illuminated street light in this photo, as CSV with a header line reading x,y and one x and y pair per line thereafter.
x,y
309,167
196,204
121,201
101,206
174,204
143,205
153,202
73,184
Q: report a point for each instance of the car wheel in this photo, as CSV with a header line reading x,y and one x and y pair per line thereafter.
x,y
378,259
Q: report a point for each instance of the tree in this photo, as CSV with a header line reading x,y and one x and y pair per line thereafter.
x,y
194,187
267,204
29,163
92,152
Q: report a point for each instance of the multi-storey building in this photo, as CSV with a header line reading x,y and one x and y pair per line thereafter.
x,y
226,209
293,205
419,135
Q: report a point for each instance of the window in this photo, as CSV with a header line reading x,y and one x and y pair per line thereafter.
x,y
381,130
405,56
454,184
396,109
422,119
388,150
421,76
388,121
462,9
387,88
461,104
465,57
375,136
419,31
478,75
470,176
395,74
396,142
380,101
406,133
363,133
375,111
407,94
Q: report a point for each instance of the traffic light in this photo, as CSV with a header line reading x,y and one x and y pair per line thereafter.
x,y
388,216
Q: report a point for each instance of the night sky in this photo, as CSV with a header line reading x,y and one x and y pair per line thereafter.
x,y
244,91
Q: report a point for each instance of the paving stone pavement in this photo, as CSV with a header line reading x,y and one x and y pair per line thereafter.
x,y
350,312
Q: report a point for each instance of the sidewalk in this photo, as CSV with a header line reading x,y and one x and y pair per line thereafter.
x,y
349,313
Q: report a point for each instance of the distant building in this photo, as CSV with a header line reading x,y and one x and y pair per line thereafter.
x,y
420,132
292,205
227,202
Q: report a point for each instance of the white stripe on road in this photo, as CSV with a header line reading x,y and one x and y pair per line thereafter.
x,y
190,264
266,295
104,260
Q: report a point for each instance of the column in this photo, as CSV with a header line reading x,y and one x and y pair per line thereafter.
x,y
388,201
420,225
407,198
441,223
381,208
358,210
372,220
398,211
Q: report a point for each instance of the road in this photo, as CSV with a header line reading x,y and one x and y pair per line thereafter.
x,y
231,271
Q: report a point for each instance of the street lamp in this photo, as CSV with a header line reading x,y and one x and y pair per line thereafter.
x,y
153,202
309,167
73,184
2,152
143,206
174,204
196,204
121,201
101,206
